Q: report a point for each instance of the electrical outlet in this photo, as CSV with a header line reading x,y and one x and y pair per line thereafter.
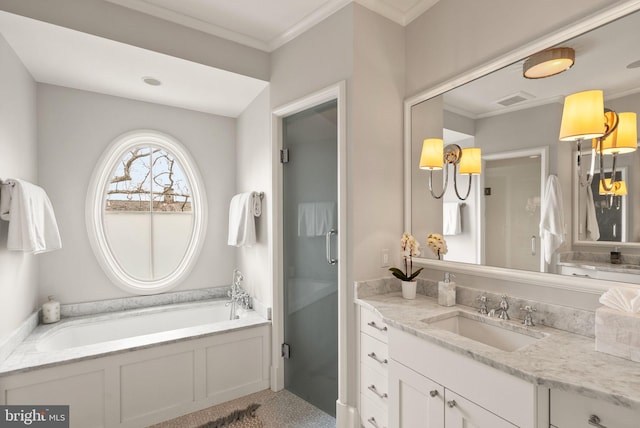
x,y
384,257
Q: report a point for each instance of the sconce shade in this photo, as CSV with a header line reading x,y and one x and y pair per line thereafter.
x,y
548,63
471,161
625,138
583,116
619,188
432,154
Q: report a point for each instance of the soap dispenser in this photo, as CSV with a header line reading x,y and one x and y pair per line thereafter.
x,y
447,291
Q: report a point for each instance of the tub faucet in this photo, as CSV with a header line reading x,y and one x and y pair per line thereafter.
x,y
237,295
503,309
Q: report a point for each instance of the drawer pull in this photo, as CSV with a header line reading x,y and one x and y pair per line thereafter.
x,y
373,422
374,325
373,389
595,421
451,403
433,393
375,357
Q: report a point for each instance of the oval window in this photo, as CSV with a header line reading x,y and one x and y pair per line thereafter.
x,y
146,212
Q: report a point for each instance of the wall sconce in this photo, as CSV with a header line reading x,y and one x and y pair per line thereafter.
x,y
585,117
618,189
548,63
435,156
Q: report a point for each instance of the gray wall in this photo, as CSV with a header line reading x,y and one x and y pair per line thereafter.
x,y
18,271
74,129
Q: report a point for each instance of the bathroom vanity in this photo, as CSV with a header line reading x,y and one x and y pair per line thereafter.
x,y
424,365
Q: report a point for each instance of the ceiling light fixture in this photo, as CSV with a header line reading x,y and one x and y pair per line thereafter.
x,y
152,81
548,63
436,156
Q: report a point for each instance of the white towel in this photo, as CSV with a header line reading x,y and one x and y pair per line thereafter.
x,y
325,217
451,218
242,225
552,218
591,222
307,219
32,222
622,299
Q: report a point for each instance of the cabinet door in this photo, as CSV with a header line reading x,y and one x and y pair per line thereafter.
x,y
416,401
462,413
570,410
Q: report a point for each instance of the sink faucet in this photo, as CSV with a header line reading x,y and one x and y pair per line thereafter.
x,y
237,295
503,309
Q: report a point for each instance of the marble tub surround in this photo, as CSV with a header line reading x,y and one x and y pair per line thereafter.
x,y
558,359
630,263
573,320
8,345
27,357
138,302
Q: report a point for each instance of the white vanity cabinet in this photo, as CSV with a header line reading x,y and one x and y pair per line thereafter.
x,y
374,368
600,274
430,386
570,410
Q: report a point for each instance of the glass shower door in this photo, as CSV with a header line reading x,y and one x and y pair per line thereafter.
x,y
310,269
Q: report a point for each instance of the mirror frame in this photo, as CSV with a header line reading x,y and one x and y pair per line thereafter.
x,y
533,278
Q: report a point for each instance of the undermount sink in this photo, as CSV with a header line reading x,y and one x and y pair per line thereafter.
x,y
486,330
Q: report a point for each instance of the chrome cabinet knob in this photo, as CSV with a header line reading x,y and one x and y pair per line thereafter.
x,y
595,421
433,393
452,403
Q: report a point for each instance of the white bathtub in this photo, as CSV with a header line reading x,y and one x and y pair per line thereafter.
x,y
133,324
110,367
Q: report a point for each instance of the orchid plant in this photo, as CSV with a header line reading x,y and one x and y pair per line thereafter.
x,y
409,248
438,245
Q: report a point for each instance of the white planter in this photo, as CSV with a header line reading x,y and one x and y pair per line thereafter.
x,y
409,289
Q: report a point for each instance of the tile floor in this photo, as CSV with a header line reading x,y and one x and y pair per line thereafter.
x,y
277,410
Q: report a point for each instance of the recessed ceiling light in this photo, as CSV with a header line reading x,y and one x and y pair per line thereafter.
x,y
634,64
151,81
548,62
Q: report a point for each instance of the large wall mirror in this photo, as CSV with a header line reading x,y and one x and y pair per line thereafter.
x,y
516,122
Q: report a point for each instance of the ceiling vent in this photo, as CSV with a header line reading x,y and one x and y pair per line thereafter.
x,y
516,98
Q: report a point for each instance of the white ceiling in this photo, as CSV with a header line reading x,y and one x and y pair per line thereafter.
x,y
266,24
64,57
602,57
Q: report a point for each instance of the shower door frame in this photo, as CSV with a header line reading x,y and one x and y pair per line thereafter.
x,y
334,92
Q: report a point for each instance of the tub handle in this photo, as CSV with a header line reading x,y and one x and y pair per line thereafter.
x,y
328,236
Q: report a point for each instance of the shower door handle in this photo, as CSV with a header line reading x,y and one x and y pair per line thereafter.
x,y
533,245
328,236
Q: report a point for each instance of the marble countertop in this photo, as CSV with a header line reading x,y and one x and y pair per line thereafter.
x,y
604,266
558,360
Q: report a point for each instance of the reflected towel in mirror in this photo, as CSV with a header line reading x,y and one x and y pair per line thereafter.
x,y
32,222
552,218
451,218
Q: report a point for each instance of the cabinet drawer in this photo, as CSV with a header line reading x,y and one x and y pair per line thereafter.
x,y
373,325
374,385
372,415
374,354
572,410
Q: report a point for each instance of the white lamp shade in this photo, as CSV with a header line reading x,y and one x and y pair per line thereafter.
x,y
625,138
432,156
471,161
583,116
619,188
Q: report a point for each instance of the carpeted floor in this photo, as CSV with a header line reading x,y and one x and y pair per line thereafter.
x,y
277,410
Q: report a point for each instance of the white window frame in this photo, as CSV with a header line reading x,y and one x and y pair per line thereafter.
x,y
94,211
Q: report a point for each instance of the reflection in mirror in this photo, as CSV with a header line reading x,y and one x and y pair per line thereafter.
x,y
503,112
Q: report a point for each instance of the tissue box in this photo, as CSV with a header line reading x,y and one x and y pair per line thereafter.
x,y
618,333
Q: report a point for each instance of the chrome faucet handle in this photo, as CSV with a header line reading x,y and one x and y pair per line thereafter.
x,y
483,305
528,317
503,313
